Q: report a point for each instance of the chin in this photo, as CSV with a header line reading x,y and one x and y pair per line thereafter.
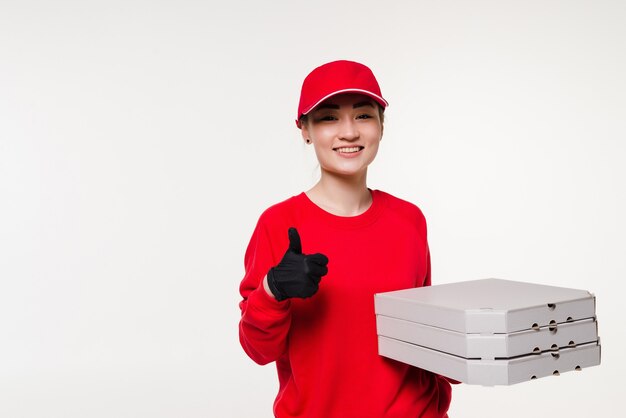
x,y
347,172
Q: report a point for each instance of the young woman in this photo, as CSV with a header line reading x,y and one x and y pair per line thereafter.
x,y
315,261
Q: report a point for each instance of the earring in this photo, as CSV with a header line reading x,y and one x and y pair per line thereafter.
x,y
308,141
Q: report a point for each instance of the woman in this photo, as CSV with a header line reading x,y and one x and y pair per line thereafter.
x,y
315,261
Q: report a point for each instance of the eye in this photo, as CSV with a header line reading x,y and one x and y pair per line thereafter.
x,y
325,118
364,116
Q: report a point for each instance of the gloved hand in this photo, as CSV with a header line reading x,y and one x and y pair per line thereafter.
x,y
297,275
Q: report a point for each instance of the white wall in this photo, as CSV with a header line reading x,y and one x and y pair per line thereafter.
x,y
140,140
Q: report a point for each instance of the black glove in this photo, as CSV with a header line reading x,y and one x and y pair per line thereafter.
x,y
297,275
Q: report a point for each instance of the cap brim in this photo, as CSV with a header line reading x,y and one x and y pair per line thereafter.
x,y
374,96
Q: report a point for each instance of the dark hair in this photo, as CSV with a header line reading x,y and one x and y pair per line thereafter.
x,y
381,112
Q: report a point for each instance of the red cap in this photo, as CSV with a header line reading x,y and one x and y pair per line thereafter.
x,y
335,78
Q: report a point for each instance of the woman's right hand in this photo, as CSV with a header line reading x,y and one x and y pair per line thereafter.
x,y
297,275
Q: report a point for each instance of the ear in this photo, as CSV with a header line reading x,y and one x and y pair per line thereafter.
x,y
304,131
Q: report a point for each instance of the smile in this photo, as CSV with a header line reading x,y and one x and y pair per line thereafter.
x,y
348,150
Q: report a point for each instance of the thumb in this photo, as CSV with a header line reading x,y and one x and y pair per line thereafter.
x,y
294,241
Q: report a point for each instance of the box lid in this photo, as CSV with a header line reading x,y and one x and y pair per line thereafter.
x,y
487,305
491,372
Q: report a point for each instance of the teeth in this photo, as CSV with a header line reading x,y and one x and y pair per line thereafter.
x,y
348,149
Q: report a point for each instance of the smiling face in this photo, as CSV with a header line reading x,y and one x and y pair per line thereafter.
x,y
345,130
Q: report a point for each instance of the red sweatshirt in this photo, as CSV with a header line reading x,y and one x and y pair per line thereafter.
x,y
325,347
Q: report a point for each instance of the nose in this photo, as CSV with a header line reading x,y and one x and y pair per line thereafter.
x,y
348,130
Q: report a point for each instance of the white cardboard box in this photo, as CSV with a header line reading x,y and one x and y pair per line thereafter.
x,y
491,372
489,346
488,306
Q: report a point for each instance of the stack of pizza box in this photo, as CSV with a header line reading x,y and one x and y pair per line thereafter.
x,y
491,331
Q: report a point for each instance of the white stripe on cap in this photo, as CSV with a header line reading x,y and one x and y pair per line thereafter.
x,y
366,92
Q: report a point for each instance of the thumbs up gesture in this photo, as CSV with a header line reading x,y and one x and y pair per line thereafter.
x,y
297,275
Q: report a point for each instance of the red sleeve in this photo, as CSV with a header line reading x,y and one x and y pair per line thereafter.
x,y
423,233
264,321
427,279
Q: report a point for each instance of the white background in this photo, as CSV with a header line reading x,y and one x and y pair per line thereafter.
x,y
140,141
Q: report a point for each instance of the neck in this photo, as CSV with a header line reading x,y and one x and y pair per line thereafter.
x,y
342,196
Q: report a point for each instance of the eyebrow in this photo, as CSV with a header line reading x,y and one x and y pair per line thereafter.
x,y
361,104
327,106
335,106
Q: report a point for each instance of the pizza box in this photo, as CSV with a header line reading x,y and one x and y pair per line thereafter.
x,y
490,346
491,306
491,372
